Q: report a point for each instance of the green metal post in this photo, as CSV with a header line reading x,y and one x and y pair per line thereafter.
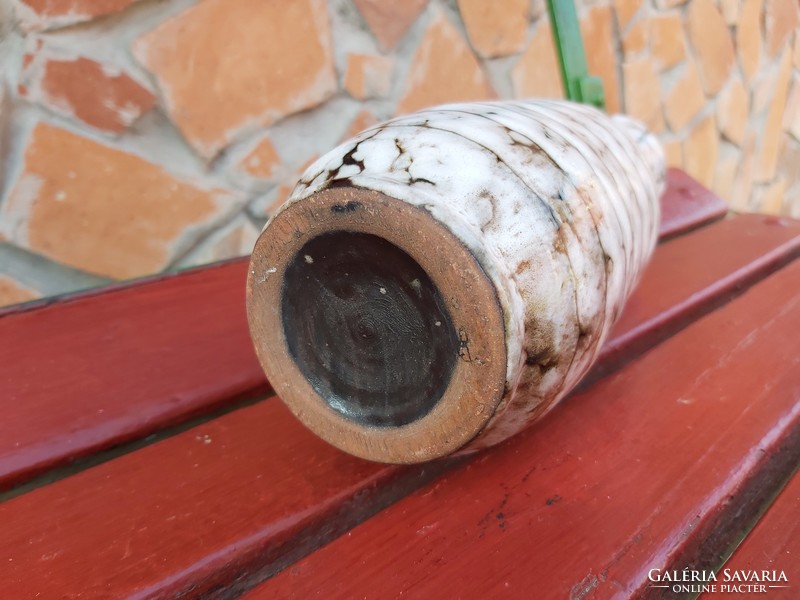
x,y
579,86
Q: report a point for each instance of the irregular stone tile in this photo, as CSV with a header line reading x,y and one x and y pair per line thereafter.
x,y
674,153
712,43
495,28
794,201
368,76
796,58
762,88
730,11
732,111
643,92
443,70
100,209
235,239
791,117
276,198
14,292
5,123
740,197
700,151
100,95
725,171
780,20
537,73
597,31
685,99
771,137
360,122
225,67
262,161
266,205
317,130
667,43
537,10
634,42
32,50
789,164
44,14
667,4
748,37
626,10
389,21
45,276
770,200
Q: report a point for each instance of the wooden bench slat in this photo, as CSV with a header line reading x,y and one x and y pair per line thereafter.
x,y
192,509
773,545
252,490
687,205
88,371
648,469
753,245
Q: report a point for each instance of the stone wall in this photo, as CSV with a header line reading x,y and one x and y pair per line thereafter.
x,y
144,135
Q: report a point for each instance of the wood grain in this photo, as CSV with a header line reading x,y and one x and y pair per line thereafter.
x,y
236,499
649,468
86,371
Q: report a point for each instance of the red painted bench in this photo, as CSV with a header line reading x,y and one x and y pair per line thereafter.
x,y
773,544
141,454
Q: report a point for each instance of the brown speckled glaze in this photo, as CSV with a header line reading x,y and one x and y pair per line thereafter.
x,y
534,220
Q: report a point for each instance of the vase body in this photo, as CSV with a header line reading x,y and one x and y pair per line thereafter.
x,y
495,245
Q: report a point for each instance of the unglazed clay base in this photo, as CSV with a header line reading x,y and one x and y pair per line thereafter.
x,y
440,281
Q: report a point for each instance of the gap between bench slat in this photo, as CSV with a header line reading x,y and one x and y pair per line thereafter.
x,y
772,545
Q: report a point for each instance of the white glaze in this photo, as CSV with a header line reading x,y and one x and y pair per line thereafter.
x,y
558,202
